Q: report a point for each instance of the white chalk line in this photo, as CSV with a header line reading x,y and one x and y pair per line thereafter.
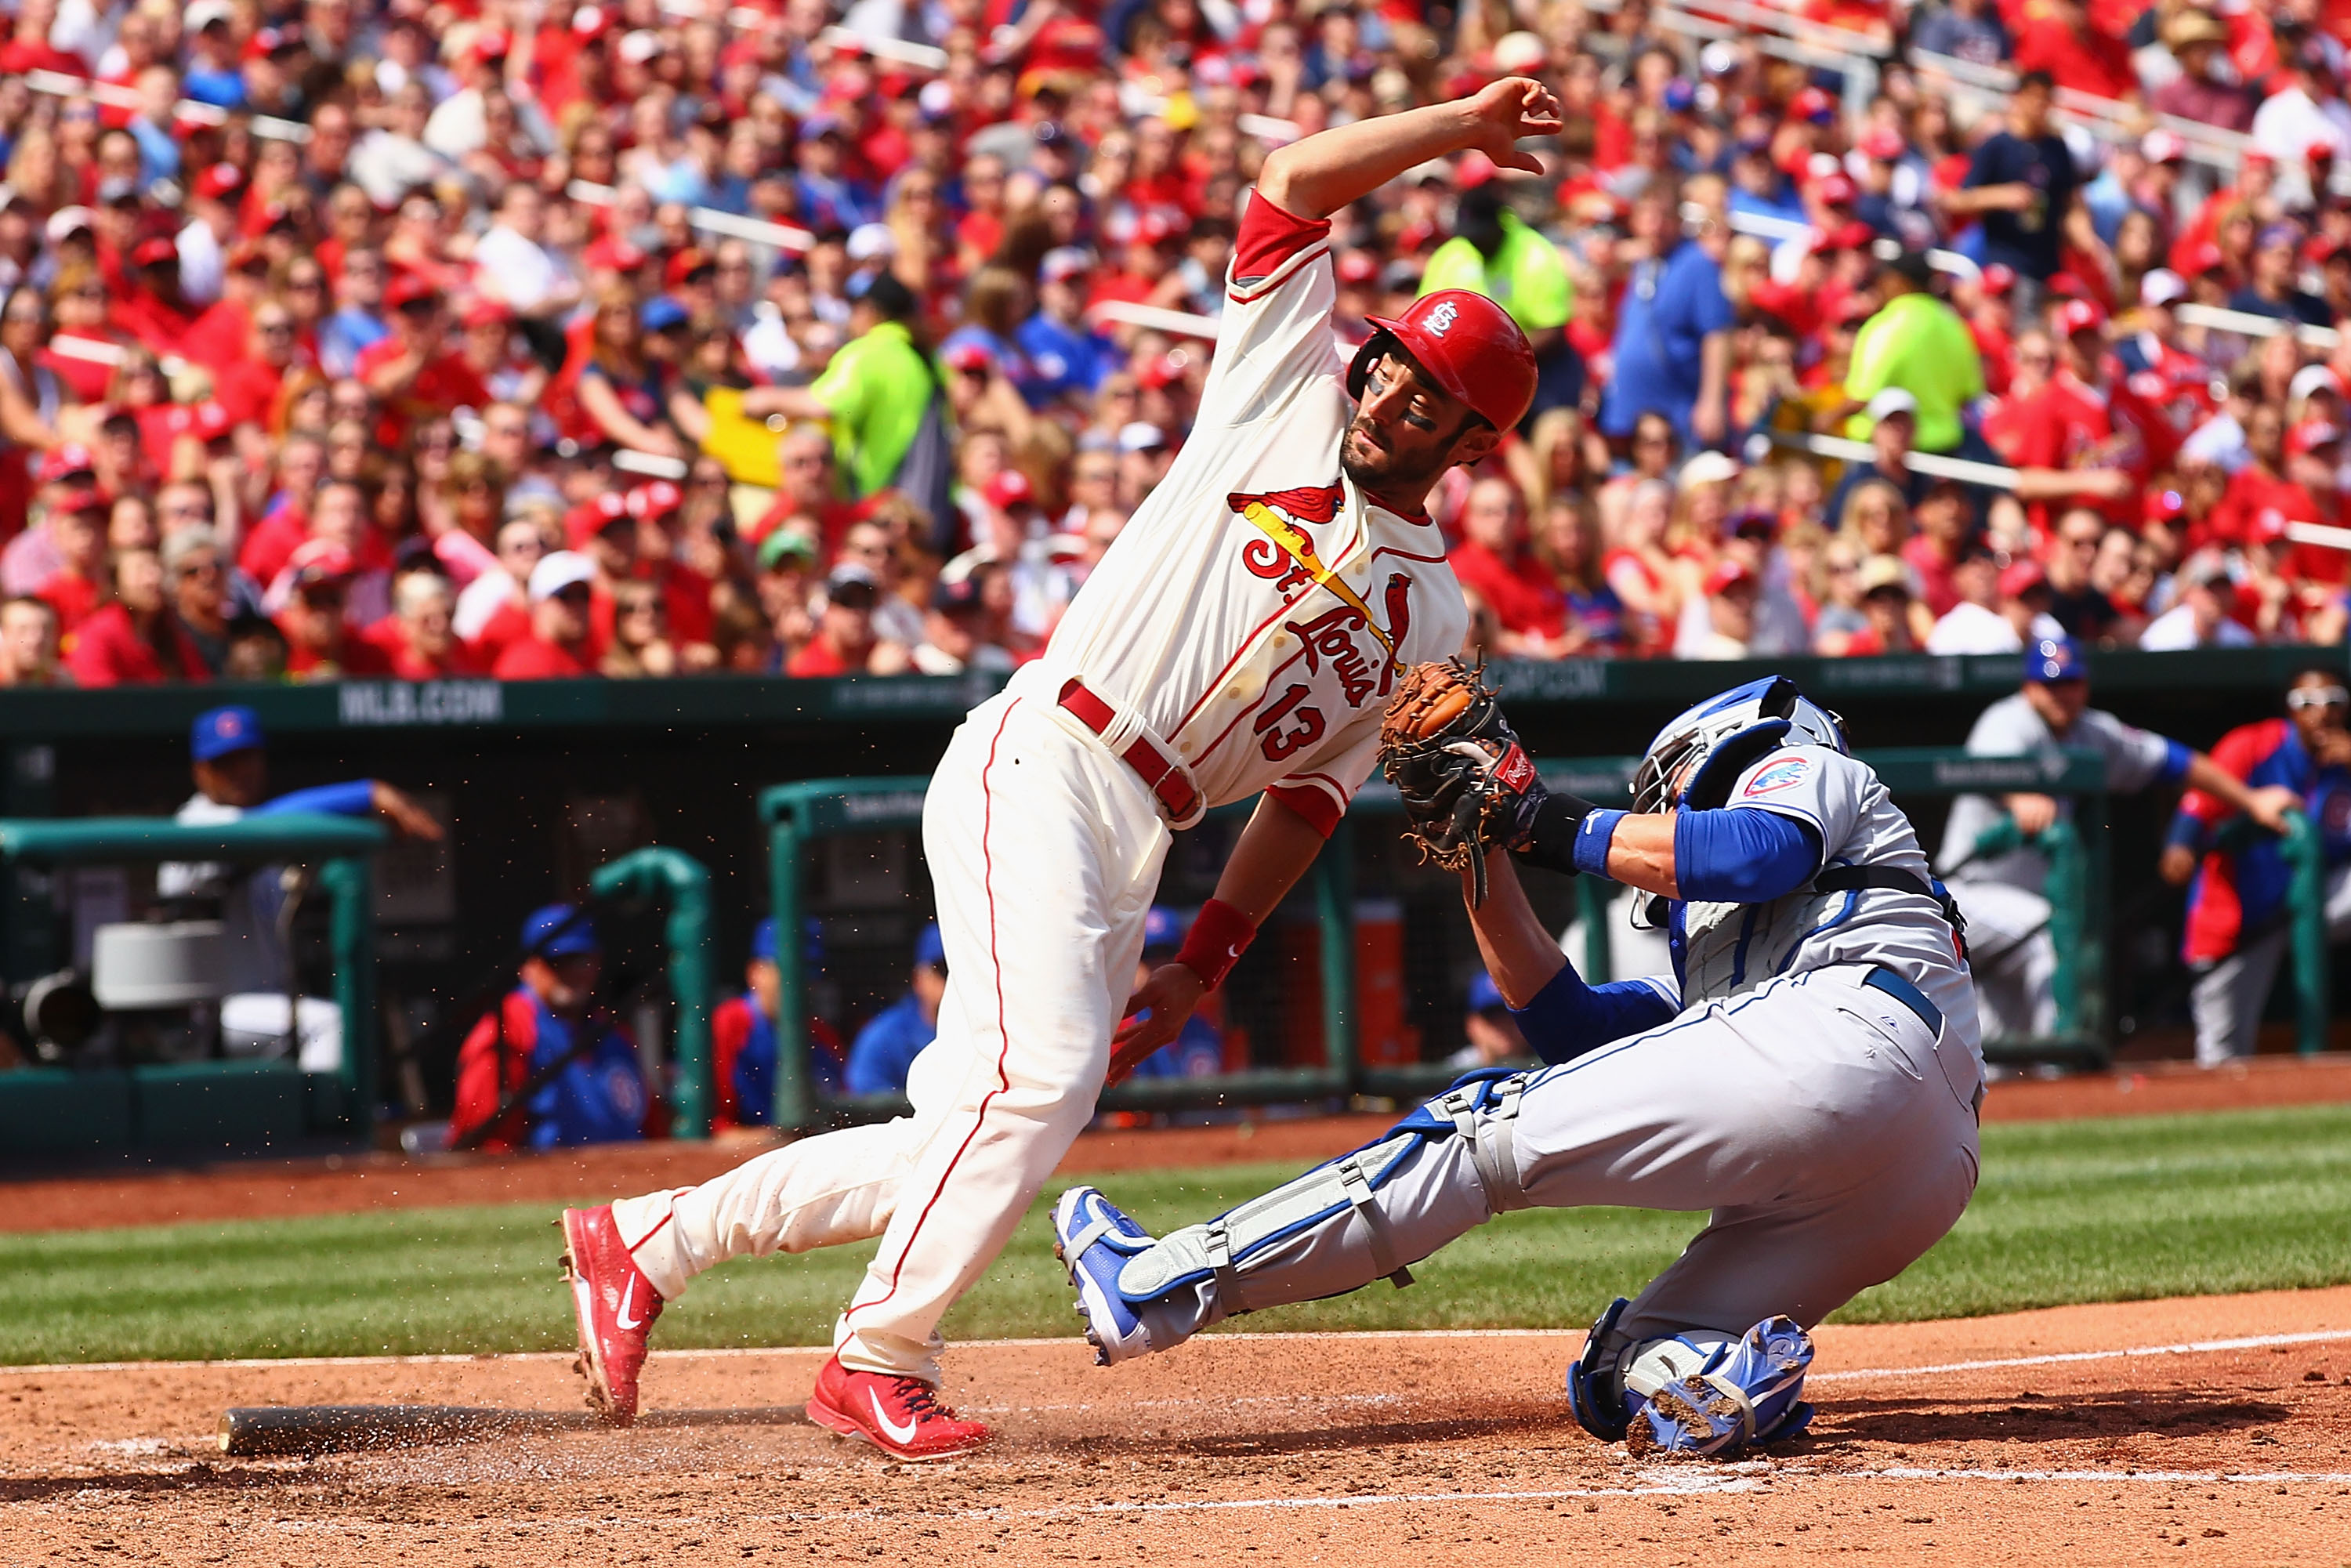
x,y
1754,1477
722,1352
2189,1347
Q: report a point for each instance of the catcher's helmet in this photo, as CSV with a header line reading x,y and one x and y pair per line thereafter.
x,y
1467,344
1723,734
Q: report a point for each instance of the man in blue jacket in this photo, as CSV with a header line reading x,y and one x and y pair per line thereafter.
x,y
548,1029
886,1047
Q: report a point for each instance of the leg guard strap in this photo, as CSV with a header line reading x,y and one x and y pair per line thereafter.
x,y
1358,1189
1485,1121
1216,1245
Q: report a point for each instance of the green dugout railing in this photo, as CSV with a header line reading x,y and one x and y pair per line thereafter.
x,y
49,1107
679,885
796,815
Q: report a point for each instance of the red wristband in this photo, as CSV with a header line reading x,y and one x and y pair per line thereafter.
x,y
1219,936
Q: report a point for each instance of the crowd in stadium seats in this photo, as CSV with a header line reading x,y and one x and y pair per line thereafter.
x,y
412,339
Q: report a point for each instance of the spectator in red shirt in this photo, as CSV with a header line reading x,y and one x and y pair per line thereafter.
x,y
248,387
2086,418
1494,562
153,309
135,640
286,521
319,643
414,373
2312,451
2057,37
77,527
416,636
810,488
2199,42
685,592
558,647
28,645
2259,485
28,47
1946,522
844,644
1885,605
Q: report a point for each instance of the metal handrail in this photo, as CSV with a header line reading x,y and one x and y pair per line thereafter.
x,y
2246,324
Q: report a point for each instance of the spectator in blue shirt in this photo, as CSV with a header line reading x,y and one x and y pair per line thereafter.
x,y
1967,30
743,1041
1673,330
1066,356
886,1047
829,199
551,1027
1199,1051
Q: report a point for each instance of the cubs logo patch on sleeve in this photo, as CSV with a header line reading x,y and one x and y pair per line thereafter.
x,y
1784,774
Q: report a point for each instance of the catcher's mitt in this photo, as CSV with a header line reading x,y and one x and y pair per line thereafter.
x,y
1468,785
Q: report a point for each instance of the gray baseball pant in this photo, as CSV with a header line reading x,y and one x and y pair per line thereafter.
x,y
1828,1133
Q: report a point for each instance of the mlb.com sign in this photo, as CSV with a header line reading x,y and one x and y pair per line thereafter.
x,y
384,704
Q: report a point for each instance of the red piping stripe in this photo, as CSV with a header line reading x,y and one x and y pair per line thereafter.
x,y
1003,1082
630,1247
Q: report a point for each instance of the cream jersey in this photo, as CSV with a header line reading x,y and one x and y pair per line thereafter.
x,y
1257,609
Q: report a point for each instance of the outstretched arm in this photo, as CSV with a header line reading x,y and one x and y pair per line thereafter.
x,y
1560,1014
2269,805
1738,854
1316,177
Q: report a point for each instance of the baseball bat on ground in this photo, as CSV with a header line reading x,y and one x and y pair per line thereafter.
x,y
250,1430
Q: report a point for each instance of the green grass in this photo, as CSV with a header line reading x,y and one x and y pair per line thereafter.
x,y
2078,1211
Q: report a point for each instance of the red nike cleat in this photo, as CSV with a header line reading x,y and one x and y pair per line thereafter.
x,y
615,1306
900,1416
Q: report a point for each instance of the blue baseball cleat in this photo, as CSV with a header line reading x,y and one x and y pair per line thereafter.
x,y
1094,1240
1745,1391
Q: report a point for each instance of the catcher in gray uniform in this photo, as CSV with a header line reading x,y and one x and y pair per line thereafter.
x,y
1808,1074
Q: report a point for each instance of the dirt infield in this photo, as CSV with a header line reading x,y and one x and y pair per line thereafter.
x,y
252,1189
2060,1436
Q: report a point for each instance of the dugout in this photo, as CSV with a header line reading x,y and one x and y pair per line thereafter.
x,y
183,1097
542,783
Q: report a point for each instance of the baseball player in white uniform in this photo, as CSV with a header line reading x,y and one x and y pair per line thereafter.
x,y
1808,1072
1239,639
2002,895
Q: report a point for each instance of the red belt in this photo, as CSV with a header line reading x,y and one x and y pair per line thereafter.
x,y
1164,778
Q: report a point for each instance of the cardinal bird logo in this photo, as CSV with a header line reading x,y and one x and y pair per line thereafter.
x,y
1293,561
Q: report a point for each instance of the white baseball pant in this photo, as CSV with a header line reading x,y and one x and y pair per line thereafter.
x,y
2011,957
2230,992
1044,851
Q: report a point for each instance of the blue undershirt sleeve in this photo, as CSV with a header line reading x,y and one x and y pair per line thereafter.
x,y
356,798
2187,830
1568,1018
2175,757
1742,855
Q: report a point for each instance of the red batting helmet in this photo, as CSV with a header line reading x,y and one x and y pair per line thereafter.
x,y
1467,344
